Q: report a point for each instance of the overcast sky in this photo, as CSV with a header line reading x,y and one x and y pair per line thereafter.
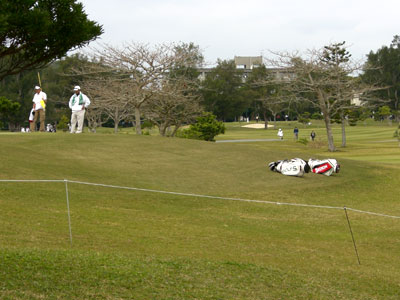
x,y
225,28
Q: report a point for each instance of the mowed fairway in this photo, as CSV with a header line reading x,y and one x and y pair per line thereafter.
x,y
141,245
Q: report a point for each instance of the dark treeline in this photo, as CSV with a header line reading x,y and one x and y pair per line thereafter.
x,y
224,91
20,89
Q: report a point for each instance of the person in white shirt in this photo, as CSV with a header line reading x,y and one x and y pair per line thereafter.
x,y
280,134
78,103
39,106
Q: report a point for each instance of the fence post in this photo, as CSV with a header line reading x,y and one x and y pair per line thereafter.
x,y
352,236
69,215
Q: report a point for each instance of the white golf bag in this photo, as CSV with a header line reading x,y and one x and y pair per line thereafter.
x,y
290,167
326,167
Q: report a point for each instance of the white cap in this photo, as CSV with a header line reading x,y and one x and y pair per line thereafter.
x,y
77,88
37,87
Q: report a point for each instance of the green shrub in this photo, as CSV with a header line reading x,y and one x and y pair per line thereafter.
x,y
303,141
304,118
352,122
147,124
384,112
63,123
188,134
206,128
9,111
316,116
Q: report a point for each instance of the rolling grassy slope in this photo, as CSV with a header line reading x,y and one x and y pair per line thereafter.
x,y
141,245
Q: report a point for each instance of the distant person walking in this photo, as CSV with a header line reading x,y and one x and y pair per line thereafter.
x,y
312,135
78,103
39,107
280,134
296,133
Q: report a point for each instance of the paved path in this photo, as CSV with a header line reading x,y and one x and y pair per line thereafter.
x,y
248,141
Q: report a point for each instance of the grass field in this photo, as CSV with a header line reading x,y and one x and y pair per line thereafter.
x,y
142,245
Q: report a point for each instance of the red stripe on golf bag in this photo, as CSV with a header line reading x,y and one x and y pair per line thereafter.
x,y
322,168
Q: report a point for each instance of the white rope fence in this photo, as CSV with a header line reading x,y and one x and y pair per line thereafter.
x,y
208,197
233,199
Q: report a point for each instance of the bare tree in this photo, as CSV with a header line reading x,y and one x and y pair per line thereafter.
x,y
275,99
111,97
145,66
178,100
264,89
126,80
95,116
175,105
325,77
95,113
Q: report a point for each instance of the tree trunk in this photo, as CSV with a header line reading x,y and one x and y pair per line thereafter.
x,y
115,126
92,126
265,120
328,125
116,120
343,129
177,126
163,128
20,86
14,127
137,121
327,120
398,133
396,105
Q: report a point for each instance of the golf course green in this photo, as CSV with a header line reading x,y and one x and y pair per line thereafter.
x,y
142,244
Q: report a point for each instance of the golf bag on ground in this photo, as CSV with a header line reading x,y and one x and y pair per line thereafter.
x,y
326,166
290,167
